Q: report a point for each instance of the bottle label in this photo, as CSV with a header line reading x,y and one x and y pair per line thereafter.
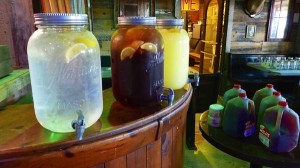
x,y
264,136
249,128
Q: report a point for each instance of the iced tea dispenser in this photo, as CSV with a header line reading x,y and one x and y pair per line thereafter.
x,y
137,62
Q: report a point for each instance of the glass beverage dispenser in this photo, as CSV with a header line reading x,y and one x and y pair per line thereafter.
x,y
176,51
137,62
65,71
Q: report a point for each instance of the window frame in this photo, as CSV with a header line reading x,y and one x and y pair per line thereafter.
x,y
289,24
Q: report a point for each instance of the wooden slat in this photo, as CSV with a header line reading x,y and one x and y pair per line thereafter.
x,y
208,53
117,163
99,166
167,150
61,6
53,6
6,26
137,159
154,154
177,144
45,6
22,29
68,6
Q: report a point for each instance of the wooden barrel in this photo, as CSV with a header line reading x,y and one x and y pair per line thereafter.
x,y
123,137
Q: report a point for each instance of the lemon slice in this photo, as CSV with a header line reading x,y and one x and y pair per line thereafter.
x,y
149,47
85,40
127,52
74,51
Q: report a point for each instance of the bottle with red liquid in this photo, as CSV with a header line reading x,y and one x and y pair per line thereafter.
x,y
137,62
279,130
266,103
239,117
232,93
262,93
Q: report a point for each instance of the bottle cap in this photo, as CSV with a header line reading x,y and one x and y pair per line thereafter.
x,y
243,95
136,20
282,103
270,86
216,107
238,86
276,93
60,19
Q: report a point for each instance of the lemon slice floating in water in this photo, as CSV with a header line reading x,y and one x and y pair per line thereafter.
x,y
85,40
149,47
127,52
74,51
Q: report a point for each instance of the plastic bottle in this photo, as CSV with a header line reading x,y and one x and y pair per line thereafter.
x,y
239,117
266,103
214,115
232,93
262,93
279,130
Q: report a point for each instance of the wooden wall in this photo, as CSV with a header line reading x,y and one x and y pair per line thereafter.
x,y
258,44
16,18
103,23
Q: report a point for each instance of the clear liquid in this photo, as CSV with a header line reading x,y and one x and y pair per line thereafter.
x,y
62,83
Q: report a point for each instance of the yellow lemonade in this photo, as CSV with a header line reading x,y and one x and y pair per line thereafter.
x,y
176,51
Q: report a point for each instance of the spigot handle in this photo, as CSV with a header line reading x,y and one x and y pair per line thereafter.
x,y
169,97
79,125
195,80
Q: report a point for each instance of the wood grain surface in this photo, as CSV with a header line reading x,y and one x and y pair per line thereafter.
x,y
122,137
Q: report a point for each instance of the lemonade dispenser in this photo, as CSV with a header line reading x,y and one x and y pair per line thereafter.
x,y
176,45
65,72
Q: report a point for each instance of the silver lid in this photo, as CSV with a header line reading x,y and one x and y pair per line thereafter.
x,y
170,22
136,20
60,19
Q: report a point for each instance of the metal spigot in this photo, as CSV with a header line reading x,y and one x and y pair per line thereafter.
x,y
169,97
195,80
79,125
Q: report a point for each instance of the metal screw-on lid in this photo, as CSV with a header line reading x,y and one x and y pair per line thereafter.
x,y
60,19
136,20
170,22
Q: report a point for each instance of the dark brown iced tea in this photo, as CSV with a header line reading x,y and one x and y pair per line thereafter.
x,y
137,65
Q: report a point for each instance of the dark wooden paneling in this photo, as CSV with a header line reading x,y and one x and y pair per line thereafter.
x,y
177,147
22,29
258,44
154,154
6,28
117,163
167,149
137,159
16,18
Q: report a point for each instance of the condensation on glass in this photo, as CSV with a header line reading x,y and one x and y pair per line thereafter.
x,y
65,70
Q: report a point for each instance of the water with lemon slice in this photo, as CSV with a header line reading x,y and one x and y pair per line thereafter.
x,y
65,75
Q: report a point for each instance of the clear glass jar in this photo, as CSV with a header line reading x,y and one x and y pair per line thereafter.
x,y
176,51
137,59
65,71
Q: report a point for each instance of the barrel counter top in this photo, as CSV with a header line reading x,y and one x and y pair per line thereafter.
x,y
122,137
